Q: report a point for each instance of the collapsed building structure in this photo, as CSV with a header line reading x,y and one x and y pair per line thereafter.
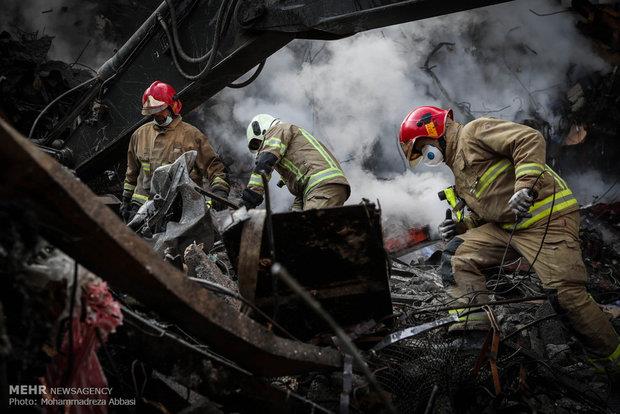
x,y
250,318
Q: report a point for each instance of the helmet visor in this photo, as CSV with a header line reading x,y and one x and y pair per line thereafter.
x,y
412,156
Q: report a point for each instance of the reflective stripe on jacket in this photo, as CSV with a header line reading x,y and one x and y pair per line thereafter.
x,y
492,159
151,147
304,163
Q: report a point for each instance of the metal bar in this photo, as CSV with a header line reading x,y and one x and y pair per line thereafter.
x,y
333,20
216,197
99,241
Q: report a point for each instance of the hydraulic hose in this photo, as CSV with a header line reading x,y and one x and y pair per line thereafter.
x,y
175,36
49,105
211,53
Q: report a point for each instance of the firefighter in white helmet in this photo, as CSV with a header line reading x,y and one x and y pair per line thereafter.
x,y
309,170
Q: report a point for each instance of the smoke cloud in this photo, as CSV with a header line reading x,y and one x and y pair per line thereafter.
x,y
353,93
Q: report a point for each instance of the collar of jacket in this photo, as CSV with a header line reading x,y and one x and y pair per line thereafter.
x,y
453,131
176,121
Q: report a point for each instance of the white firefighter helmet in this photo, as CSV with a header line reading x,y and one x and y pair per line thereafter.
x,y
257,129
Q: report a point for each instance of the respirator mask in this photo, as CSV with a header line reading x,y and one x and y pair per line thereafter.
x,y
431,156
166,121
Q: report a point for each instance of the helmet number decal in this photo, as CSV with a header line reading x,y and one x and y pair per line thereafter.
x,y
431,130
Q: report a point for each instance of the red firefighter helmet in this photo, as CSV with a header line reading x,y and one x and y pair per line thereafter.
x,y
422,122
158,97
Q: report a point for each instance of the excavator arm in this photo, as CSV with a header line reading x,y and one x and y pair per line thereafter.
x,y
202,47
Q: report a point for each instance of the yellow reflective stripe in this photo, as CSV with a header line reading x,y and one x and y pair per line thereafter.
x,y
317,145
317,178
490,175
286,163
475,316
129,187
275,143
146,166
529,168
255,180
559,179
140,198
219,181
615,355
542,209
452,200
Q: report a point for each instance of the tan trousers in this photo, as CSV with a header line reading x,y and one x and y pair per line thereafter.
x,y
328,195
559,266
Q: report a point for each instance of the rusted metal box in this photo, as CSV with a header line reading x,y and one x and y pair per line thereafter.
x,y
337,254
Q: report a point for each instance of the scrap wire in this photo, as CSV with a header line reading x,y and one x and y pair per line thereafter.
x,y
162,332
221,289
529,325
209,354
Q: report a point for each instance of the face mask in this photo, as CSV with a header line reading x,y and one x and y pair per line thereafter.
x,y
432,156
167,122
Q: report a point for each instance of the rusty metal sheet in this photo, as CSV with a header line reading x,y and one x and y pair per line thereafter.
x,y
249,253
90,232
337,254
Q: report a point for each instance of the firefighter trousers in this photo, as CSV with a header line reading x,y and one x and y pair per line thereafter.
x,y
328,195
559,266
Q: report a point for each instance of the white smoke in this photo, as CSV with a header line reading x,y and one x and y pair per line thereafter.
x,y
353,93
592,186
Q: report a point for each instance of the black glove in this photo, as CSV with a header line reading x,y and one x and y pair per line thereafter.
x,y
125,209
216,205
447,228
251,199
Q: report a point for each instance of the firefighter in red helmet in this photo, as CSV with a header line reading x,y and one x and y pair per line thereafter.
x,y
512,198
161,142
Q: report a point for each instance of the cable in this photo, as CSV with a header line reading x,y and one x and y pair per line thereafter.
x,y
58,98
542,241
251,78
514,227
175,36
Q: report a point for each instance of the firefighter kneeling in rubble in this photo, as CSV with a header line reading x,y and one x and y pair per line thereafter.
x,y
513,198
309,170
161,142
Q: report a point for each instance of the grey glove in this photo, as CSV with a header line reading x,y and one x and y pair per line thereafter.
x,y
521,202
447,228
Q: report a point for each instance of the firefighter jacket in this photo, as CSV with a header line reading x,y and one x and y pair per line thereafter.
x,y
303,162
151,147
492,159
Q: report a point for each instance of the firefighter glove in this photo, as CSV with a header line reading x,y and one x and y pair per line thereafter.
x,y
125,209
521,202
250,199
447,228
